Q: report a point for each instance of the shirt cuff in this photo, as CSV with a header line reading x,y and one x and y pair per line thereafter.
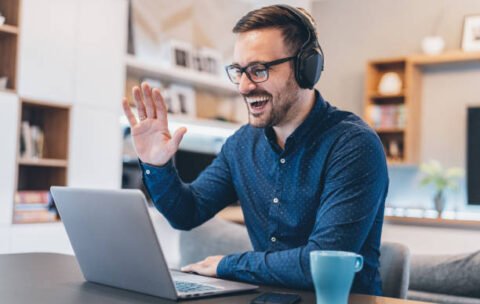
x,y
158,179
226,267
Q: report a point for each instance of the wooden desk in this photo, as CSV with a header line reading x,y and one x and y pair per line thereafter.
x,y
56,278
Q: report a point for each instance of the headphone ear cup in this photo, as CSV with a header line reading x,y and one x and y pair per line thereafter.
x,y
309,67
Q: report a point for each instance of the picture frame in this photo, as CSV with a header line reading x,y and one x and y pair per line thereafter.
x,y
211,60
471,33
197,61
182,101
178,54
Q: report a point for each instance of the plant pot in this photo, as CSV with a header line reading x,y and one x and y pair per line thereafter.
x,y
439,202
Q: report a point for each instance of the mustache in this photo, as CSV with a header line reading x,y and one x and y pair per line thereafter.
x,y
256,93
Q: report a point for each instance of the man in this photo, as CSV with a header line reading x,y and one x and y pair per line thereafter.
x,y
308,176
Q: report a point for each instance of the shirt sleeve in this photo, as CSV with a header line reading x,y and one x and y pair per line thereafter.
x,y
189,205
355,188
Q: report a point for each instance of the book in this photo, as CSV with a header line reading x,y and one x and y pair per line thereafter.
x,y
32,197
32,141
22,216
27,140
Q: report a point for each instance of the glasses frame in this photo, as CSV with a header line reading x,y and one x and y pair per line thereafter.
x,y
267,66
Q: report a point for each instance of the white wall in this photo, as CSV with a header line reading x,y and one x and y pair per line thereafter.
x,y
9,115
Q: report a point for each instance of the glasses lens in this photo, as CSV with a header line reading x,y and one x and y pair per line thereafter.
x,y
234,73
258,72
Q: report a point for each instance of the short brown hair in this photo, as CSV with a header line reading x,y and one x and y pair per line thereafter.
x,y
293,30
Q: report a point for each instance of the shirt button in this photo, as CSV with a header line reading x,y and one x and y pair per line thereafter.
x,y
273,239
282,160
147,172
275,200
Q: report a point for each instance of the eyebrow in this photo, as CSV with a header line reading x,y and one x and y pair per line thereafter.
x,y
248,64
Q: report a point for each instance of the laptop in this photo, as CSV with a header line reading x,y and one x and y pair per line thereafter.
x,y
114,241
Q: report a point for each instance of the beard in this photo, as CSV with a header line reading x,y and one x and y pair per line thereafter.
x,y
279,108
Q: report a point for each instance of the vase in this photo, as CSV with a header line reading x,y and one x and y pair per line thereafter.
x,y
433,45
439,201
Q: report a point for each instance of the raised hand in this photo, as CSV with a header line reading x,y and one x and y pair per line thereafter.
x,y
152,139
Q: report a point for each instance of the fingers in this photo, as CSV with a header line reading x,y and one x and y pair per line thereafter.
x,y
198,267
188,268
160,106
128,112
148,100
137,96
177,137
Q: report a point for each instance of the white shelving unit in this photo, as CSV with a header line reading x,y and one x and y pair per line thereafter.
x,y
199,80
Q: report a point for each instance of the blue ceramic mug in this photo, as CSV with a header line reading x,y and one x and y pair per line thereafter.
x,y
332,274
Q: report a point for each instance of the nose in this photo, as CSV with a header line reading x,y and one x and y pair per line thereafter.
x,y
246,85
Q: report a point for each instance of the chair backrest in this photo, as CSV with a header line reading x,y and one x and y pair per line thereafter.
x,y
215,237
394,269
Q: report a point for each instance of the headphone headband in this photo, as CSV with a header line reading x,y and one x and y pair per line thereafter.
x,y
309,62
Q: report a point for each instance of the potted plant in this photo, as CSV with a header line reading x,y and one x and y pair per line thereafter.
x,y
442,179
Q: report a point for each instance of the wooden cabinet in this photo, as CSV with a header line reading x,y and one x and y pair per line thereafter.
x,y
396,117
8,43
42,159
387,112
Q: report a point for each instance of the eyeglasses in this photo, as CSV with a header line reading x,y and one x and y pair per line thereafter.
x,y
256,72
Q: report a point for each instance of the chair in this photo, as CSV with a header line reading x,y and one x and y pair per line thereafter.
x,y
394,269
215,237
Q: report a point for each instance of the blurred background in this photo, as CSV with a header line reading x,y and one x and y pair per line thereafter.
x,y
410,68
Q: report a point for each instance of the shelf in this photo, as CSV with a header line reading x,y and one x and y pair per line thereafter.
x,y
397,163
433,222
45,221
199,80
235,214
400,164
376,95
10,91
457,56
43,162
389,130
8,29
389,61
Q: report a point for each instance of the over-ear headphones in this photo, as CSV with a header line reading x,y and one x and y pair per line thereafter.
x,y
309,60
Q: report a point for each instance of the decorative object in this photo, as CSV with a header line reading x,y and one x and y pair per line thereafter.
x,y
390,84
471,33
394,150
2,19
182,100
442,180
433,45
177,53
210,60
3,82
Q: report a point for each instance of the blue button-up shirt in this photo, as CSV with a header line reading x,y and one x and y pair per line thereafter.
x,y
324,191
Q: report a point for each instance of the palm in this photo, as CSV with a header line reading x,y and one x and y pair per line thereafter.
x,y
153,142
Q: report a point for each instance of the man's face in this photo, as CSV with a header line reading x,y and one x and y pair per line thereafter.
x,y
270,103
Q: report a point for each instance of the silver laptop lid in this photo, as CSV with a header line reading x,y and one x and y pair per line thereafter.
x,y
114,240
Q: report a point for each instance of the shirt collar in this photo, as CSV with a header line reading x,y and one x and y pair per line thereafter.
x,y
301,131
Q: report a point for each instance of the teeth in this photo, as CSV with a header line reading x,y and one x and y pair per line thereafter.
x,y
257,99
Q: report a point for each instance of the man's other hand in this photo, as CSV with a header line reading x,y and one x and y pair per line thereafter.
x,y
207,267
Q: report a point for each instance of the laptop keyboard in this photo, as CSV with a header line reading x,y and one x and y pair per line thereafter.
x,y
184,286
